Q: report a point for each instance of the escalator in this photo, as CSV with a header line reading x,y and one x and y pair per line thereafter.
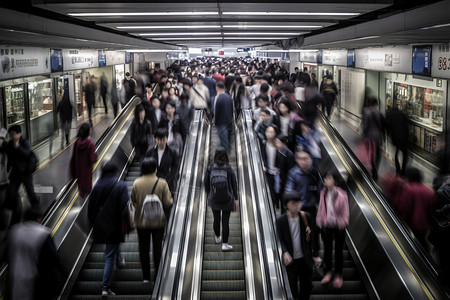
x,y
223,272
127,282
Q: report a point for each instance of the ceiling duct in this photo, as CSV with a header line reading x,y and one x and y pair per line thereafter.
x,y
290,43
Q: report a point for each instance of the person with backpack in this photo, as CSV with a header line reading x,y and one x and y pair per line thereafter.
x,y
221,188
151,197
329,92
22,162
107,201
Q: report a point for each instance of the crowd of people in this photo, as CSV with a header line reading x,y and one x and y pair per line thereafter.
x,y
309,205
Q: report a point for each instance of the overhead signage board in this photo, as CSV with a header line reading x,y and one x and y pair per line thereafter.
x,y
390,59
101,58
334,57
115,58
127,57
19,61
75,59
440,61
56,60
310,57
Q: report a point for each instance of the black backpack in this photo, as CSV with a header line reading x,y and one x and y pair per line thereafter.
x,y
219,184
440,228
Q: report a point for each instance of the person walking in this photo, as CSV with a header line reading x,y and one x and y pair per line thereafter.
x,y
332,219
223,112
141,136
329,91
89,97
104,90
221,188
149,184
82,160
65,116
397,125
107,201
129,85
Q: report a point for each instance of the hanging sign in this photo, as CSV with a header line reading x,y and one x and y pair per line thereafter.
x,y
19,61
75,59
115,58
391,59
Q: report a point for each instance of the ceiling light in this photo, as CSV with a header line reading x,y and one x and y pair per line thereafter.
x,y
256,38
303,50
167,13
169,27
279,13
272,26
179,33
263,33
152,50
435,26
177,38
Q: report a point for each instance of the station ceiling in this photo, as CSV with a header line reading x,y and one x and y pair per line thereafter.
x,y
114,24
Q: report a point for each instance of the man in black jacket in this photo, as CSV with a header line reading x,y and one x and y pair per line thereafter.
x,y
19,152
299,254
223,112
284,161
166,157
107,201
397,125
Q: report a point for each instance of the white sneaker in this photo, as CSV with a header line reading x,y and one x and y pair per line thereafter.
x,y
218,239
226,247
108,292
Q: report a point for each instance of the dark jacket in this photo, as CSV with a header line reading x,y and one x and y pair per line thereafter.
x,y
397,125
168,168
284,161
65,109
18,158
284,234
328,89
232,186
141,134
308,185
177,125
373,125
186,114
130,87
81,164
89,93
224,109
211,85
106,204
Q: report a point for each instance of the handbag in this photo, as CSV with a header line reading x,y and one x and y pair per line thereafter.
x,y
128,224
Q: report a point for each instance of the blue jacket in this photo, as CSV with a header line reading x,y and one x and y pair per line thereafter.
x,y
105,209
308,185
224,109
211,85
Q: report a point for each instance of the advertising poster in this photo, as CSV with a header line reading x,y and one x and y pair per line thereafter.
x,y
101,58
390,59
127,57
23,61
56,60
334,57
115,58
74,59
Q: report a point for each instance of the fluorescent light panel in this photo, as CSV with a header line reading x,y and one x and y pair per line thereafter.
x,y
189,38
169,27
435,26
279,13
179,33
255,38
272,26
263,33
166,13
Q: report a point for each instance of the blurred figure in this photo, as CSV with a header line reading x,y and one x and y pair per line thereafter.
x,y
332,219
241,101
82,160
397,126
263,103
175,128
269,156
185,111
265,120
33,262
65,116
373,129
115,101
223,115
106,204
129,85
199,95
89,96
329,91
314,82
285,161
104,86
141,136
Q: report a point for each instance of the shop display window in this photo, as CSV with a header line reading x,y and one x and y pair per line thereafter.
x,y
41,105
15,107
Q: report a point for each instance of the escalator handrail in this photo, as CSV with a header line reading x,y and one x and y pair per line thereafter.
x,y
412,254
276,277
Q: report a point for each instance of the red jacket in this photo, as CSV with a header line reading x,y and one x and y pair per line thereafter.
x,y
341,209
81,165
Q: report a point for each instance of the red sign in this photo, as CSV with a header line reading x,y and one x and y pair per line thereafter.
x,y
221,52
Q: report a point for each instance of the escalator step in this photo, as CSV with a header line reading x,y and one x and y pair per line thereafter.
x,y
218,247
117,297
134,173
119,275
223,275
232,240
223,265
233,232
220,256
119,287
340,297
347,255
347,274
128,265
233,227
98,256
348,287
125,247
237,295
223,285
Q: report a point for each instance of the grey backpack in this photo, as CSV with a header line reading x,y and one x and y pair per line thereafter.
x,y
152,212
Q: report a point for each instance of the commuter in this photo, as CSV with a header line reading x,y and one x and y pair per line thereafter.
x,y
265,90
332,219
211,85
164,98
175,127
199,95
294,75
297,245
263,103
255,89
285,117
287,90
129,85
303,79
284,161
185,111
166,158
19,156
373,129
34,265
306,138
173,94
265,120
269,155
65,116
156,112
223,115
149,183
107,201
314,82
221,188
397,125
82,160
241,100
115,101
416,204
305,179
89,97
104,90
329,92
141,133
149,93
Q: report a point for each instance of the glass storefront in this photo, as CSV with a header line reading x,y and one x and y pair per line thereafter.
x,y
15,106
40,100
120,75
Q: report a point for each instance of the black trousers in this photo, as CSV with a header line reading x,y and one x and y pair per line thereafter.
x,y
273,195
104,102
225,224
328,234
13,197
144,236
299,269
90,106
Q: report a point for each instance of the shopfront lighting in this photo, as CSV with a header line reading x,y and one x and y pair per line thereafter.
x,y
271,26
179,33
169,27
279,13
